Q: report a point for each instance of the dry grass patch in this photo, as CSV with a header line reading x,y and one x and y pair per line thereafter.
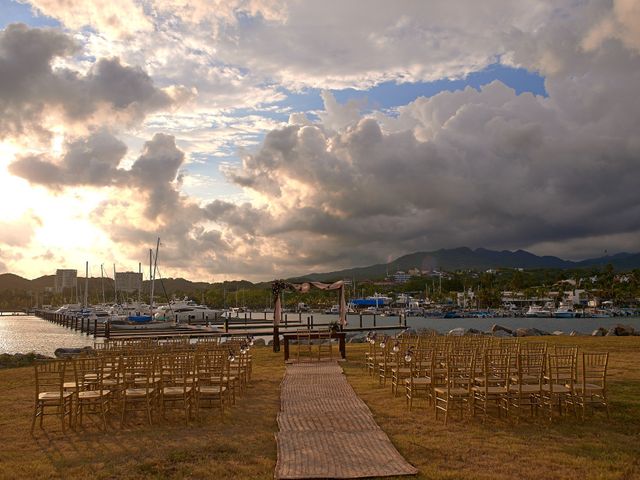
x,y
534,449
240,444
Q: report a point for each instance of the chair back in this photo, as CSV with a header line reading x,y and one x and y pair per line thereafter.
x,y
560,370
594,369
50,376
460,370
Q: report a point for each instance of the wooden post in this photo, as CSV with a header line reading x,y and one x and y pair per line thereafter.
x,y
374,319
107,329
226,324
95,328
360,320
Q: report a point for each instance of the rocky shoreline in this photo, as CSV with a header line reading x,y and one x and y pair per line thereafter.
x,y
619,330
16,360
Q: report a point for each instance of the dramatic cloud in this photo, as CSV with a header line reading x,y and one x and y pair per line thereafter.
x,y
88,161
471,167
32,87
341,185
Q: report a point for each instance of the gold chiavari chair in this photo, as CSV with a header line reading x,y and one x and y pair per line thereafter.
x,y
456,394
303,344
92,396
178,382
557,390
140,385
525,388
491,387
418,385
325,344
50,393
591,388
387,360
372,357
401,369
212,367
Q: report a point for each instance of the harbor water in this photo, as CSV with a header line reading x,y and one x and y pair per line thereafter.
x,y
23,334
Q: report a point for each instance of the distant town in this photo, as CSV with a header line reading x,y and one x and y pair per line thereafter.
x,y
544,292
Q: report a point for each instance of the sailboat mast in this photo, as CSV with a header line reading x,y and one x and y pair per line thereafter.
x,y
153,275
140,280
86,285
102,283
115,285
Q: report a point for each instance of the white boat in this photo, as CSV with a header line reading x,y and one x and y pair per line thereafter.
x,y
600,314
152,325
183,311
335,309
536,311
564,311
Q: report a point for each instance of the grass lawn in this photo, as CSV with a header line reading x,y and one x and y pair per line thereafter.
x,y
534,449
241,444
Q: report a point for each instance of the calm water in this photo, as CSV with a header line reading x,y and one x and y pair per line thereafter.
x,y
23,334
443,325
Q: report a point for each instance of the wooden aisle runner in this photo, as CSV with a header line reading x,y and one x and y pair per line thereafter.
x,y
326,431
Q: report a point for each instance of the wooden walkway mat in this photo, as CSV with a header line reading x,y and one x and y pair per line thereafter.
x,y
326,431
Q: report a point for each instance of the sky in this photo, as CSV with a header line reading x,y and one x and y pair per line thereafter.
x,y
265,139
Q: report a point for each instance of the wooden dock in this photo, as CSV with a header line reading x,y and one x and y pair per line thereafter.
x,y
249,324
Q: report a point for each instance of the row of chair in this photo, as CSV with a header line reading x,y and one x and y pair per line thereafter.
x,y
480,374
147,378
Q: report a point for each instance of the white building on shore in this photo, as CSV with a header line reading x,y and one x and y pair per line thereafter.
x,y
65,279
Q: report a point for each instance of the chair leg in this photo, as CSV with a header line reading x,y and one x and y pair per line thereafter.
x,y
124,409
148,402
35,416
104,407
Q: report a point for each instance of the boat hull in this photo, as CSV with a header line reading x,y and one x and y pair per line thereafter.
x,y
143,326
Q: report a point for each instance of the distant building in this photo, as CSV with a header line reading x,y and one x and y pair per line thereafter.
x,y
401,277
128,282
65,279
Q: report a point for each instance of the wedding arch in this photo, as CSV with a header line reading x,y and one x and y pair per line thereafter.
x,y
278,286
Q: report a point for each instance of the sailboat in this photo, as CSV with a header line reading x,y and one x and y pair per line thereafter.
x,y
143,321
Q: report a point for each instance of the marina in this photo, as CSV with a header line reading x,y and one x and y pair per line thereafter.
x,y
22,334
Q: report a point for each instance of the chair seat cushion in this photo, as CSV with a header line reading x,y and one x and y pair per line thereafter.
x,y
490,390
49,396
525,388
401,370
90,394
137,392
211,389
173,391
556,388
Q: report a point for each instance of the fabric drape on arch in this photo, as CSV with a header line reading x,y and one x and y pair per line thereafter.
x,y
280,285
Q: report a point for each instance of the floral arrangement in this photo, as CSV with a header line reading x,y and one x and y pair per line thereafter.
x,y
278,286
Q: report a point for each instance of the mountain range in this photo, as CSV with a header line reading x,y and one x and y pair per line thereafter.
x,y
462,258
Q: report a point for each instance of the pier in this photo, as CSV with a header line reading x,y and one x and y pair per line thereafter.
x,y
251,323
